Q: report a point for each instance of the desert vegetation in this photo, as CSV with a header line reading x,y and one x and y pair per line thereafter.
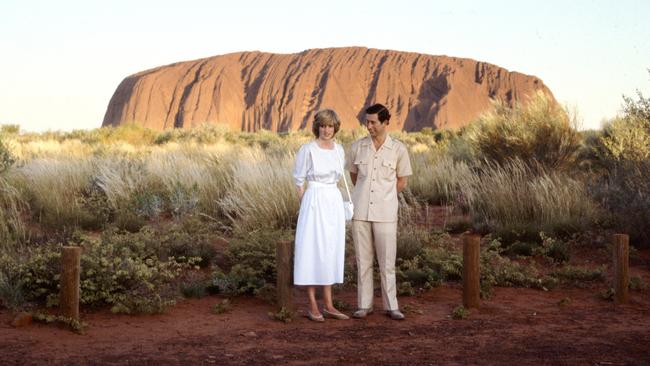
x,y
160,214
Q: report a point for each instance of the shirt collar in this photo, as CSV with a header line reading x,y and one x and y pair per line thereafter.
x,y
388,143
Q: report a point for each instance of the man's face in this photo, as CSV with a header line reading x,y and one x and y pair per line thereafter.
x,y
375,128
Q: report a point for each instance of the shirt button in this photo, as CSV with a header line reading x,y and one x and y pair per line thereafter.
x,y
371,203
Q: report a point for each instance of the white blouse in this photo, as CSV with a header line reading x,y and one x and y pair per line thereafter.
x,y
316,164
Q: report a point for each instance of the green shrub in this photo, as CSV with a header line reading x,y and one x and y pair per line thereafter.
x,y
624,189
460,312
222,307
577,276
120,270
405,289
497,270
557,250
252,260
186,245
12,294
240,280
284,315
626,139
194,285
75,325
438,261
410,241
540,134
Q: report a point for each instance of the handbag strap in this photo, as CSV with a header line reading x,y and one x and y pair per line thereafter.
x,y
347,189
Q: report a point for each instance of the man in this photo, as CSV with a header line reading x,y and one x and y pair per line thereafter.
x,y
379,167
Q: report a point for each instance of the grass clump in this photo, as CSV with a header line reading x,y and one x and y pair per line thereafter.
x,y
460,312
541,134
283,315
222,307
515,202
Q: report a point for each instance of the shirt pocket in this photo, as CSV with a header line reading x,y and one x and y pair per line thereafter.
x,y
362,167
388,170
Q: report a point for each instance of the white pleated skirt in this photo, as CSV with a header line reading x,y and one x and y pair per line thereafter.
x,y
320,237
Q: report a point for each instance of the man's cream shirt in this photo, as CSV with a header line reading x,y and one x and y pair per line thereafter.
x,y
375,193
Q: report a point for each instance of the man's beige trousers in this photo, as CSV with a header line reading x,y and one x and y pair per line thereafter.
x,y
380,237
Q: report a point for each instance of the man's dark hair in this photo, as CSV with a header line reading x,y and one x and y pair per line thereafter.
x,y
381,111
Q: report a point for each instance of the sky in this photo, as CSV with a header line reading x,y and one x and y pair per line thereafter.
x,y
61,61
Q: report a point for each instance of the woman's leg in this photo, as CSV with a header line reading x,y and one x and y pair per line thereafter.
x,y
313,305
327,297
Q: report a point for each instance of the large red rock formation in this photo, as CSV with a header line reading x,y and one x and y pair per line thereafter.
x,y
280,92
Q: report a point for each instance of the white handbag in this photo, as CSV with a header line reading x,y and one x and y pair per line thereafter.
x,y
348,206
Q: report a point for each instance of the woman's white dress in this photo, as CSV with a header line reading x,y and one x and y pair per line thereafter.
x,y
320,233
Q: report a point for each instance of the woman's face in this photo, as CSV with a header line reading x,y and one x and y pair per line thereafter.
x,y
325,132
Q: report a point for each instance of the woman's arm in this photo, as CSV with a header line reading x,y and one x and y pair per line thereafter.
x,y
300,170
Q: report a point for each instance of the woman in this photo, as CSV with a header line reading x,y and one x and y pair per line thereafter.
x,y
320,233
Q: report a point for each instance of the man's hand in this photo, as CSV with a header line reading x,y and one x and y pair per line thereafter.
x,y
401,183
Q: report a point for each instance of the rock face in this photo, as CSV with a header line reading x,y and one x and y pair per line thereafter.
x,y
281,92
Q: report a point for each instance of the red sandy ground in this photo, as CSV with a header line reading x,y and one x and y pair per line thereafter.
x,y
515,326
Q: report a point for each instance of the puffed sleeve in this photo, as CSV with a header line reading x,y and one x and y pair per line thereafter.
x,y
300,166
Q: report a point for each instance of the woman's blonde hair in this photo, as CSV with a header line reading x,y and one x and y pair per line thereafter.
x,y
325,117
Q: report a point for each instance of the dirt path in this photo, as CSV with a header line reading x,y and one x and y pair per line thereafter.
x,y
516,326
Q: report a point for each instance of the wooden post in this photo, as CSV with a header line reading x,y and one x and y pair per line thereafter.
x,y
621,268
471,272
284,269
70,270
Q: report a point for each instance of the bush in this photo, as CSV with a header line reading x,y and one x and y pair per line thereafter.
x,y
625,189
120,270
12,294
577,276
626,139
460,312
557,250
194,285
436,262
252,260
540,134
497,270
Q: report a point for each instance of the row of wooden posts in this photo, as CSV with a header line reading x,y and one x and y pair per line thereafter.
x,y
70,290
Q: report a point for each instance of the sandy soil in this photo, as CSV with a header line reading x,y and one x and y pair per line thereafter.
x,y
515,326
